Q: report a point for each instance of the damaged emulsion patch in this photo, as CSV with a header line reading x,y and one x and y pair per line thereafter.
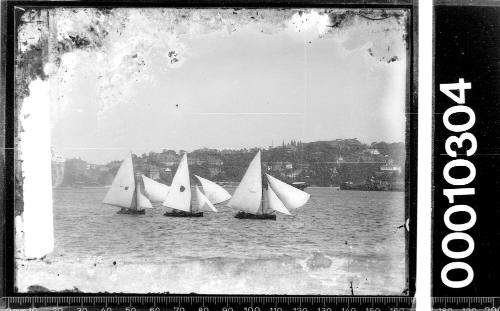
x,y
124,46
117,50
381,32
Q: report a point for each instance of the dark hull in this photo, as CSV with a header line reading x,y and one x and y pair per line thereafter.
x,y
371,187
243,215
183,214
300,186
130,211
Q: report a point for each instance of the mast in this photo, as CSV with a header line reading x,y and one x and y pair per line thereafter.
x,y
135,202
135,199
261,209
264,193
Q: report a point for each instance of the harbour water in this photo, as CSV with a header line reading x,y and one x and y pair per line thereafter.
x,y
337,239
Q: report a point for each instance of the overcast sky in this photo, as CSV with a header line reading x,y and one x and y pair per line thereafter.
x,y
247,85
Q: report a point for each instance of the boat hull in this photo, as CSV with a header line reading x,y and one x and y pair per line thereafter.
x,y
130,211
243,215
183,214
300,186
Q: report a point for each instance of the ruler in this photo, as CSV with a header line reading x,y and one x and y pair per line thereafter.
x,y
208,303
466,303
243,303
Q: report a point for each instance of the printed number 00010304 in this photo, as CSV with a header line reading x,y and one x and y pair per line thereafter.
x,y
453,143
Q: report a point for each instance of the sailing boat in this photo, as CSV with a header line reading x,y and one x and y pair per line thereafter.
x,y
127,190
257,202
179,195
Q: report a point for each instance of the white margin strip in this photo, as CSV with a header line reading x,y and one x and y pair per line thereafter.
x,y
424,206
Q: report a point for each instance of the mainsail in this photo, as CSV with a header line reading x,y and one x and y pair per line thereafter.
x,y
204,203
179,196
247,197
155,191
274,202
122,189
291,197
215,193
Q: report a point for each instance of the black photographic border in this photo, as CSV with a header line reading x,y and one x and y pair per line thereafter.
x,y
468,49
9,120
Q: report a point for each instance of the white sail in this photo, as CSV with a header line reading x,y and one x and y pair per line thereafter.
x,y
215,193
122,189
247,197
155,191
179,196
142,201
274,202
204,203
291,197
